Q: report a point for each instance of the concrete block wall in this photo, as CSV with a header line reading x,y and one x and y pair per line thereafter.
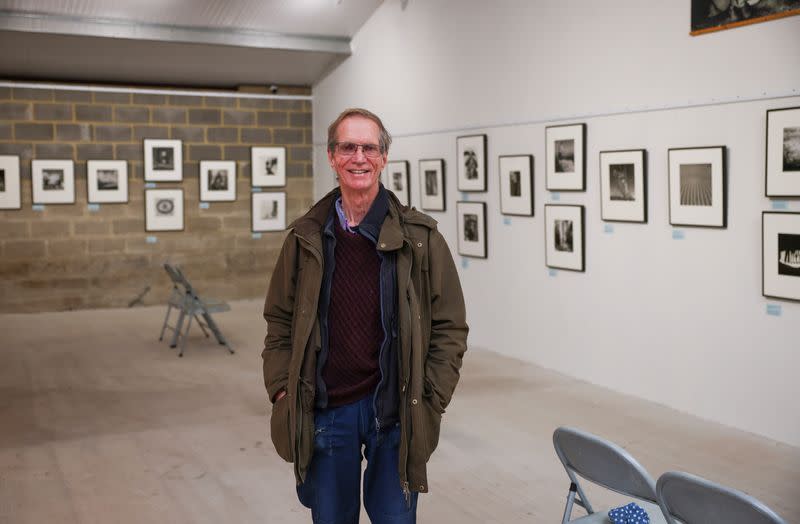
x,y
70,257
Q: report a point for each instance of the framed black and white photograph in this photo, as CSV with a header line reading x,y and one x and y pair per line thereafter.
x,y
268,212
53,181
564,237
623,185
716,15
217,181
163,160
780,254
163,210
107,181
10,191
565,156
516,185
783,152
398,181
471,159
268,166
697,186
471,229
431,185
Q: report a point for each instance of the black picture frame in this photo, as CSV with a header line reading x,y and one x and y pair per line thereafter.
x,y
10,183
471,163
516,196
277,222
564,247
41,170
780,269
398,180
94,190
433,193
782,154
698,195
618,204
565,157
472,230
151,218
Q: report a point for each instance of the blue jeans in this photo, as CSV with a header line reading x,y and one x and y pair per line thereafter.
x,y
332,485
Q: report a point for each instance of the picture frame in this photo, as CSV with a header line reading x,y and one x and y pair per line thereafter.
x,y
697,186
163,160
268,211
716,15
10,189
107,181
471,229
780,255
163,210
565,157
782,165
268,166
398,180
565,237
432,188
53,181
623,186
217,181
471,160
516,185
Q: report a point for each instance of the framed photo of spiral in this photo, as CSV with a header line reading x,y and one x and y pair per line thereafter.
x,y
783,152
163,210
471,159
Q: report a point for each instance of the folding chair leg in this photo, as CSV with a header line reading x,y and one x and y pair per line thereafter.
x,y
185,335
202,327
570,501
177,332
164,326
215,329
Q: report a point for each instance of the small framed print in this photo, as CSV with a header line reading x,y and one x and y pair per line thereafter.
x,y
516,185
268,166
163,209
697,192
53,181
163,160
217,181
107,181
565,156
10,192
783,152
471,229
471,158
431,185
780,254
398,180
564,237
623,185
268,212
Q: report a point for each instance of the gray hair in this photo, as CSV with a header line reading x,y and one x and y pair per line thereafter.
x,y
385,139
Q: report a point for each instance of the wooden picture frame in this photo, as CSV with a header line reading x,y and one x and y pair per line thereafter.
x,y
708,16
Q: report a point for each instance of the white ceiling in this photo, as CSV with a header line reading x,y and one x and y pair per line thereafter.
x,y
200,43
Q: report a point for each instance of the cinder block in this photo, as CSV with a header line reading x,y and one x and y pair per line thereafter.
x,y
74,132
169,115
5,93
6,131
23,151
129,152
236,223
112,98
197,153
222,134
185,100
235,117
300,120
50,283
300,153
220,101
22,249
205,116
15,111
33,131
54,151
92,227
288,105
188,134
273,118
132,114
122,226
255,103
50,228
106,245
288,136
93,113
112,133
151,100
256,136
95,151
203,224
13,229
142,132
24,93
52,111
295,169
72,96
241,153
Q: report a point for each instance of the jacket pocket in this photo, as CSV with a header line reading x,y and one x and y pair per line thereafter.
x,y
280,429
431,421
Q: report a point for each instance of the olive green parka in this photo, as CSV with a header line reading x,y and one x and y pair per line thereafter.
x,y
432,335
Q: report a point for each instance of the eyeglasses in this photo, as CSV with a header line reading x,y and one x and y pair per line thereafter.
x,y
350,149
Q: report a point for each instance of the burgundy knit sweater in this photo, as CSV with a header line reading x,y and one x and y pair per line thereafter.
x,y
354,320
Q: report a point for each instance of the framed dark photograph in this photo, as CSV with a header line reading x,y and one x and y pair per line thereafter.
x,y
516,185
471,159
268,166
398,181
471,229
623,185
780,254
163,160
783,152
53,181
697,186
564,237
163,210
432,185
107,181
10,191
268,212
716,15
565,156
217,181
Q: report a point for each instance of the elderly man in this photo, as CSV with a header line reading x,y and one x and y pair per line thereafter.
x,y
366,331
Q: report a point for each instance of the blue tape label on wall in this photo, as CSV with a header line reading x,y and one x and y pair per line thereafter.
x,y
204,205
678,234
256,235
93,208
774,310
150,185
608,228
555,197
552,272
507,221
151,239
780,204
464,196
255,190
38,207
464,262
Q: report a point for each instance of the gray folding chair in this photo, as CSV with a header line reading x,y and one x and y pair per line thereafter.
x,y
190,305
693,500
605,464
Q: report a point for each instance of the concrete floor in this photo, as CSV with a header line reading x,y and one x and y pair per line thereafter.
x,y
102,423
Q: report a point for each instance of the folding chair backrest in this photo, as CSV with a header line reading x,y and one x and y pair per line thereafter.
x,y
695,500
173,274
184,281
603,463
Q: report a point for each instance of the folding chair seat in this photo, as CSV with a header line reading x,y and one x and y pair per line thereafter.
x,y
690,499
190,305
605,464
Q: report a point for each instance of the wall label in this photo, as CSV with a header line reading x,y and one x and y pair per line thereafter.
x,y
38,207
780,204
678,234
552,272
774,310
150,185
93,208
256,236
151,239
465,196
555,197
204,205
255,190
507,221
608,228
464,262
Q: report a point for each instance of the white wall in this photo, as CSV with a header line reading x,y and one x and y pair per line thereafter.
x,y
680,322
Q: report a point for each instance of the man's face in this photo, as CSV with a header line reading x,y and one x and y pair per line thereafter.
x,y
357,172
